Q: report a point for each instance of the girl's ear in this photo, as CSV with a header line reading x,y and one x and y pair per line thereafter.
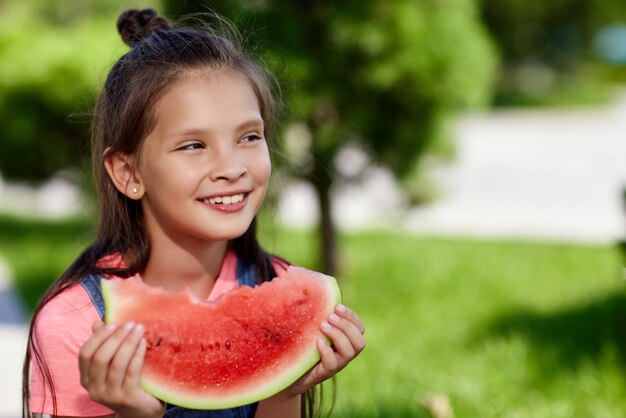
x,y
122,174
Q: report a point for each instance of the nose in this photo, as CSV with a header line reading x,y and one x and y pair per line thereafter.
x,y
227,165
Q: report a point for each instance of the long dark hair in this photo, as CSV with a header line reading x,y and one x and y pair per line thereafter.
x,y
124,115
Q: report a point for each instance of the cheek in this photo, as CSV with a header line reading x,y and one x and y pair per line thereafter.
x,y
261,169
159,169
267,171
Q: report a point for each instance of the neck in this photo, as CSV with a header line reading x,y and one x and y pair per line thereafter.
x,y
175,268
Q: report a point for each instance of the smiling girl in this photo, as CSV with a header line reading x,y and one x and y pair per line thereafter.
x,y
181,159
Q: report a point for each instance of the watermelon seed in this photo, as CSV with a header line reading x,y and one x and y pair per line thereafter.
x,y
158,343
227,345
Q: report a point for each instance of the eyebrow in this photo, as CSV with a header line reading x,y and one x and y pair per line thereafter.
x,y
251,123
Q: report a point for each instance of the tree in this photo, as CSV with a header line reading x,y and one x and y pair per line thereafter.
x,y
384,74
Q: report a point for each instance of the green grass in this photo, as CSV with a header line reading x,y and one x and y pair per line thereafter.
x,y
503,329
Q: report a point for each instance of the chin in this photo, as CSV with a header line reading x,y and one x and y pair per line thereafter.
x,y
227,235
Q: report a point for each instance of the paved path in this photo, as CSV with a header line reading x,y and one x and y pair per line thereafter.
x,y
548,174
552,175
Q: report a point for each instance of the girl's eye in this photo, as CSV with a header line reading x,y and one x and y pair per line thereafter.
x,y
191,146
251,138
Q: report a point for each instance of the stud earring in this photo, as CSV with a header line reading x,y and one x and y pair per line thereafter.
x,y
134,190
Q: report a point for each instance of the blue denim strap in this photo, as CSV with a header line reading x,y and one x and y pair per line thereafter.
x,y
246,273
246,411
91,284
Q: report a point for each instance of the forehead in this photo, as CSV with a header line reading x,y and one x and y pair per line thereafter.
x,y
210,97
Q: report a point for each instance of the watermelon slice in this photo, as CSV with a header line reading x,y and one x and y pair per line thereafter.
x,y
247,345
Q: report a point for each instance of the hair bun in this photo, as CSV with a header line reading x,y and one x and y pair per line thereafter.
x,y
133,25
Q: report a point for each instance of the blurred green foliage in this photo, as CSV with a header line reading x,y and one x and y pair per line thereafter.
x,y
38,251
558,32
383,73
548,49
54,56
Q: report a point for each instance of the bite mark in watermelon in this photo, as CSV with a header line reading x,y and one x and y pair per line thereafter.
x,y
247,345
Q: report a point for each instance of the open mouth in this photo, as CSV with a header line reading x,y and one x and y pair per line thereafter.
x,y
225,200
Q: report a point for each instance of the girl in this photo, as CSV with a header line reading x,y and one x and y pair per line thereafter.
x,y
182,165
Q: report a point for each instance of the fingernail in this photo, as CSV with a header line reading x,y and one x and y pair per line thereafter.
x,y
334,318
129,325
138,329
341,308
109,326
326,325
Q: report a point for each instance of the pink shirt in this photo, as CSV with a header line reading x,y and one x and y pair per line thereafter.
x,y
62,327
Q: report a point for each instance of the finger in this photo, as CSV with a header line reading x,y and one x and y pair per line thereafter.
x,y
90,347
328,360
351,331
133,372
100,335
340,341
96,326
102,358
116,373
347,313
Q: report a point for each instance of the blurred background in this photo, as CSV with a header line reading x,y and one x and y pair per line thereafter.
x,y
457,164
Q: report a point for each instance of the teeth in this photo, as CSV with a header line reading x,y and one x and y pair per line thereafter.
x,y
226,200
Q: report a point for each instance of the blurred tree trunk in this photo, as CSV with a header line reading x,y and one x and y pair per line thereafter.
x,y
327,241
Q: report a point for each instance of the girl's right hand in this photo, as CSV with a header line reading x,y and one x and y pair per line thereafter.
x,y
110,365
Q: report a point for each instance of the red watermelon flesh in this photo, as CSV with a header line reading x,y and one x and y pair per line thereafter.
x,y
247,345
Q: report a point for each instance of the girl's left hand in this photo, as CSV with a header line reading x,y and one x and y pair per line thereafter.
x,y
345,330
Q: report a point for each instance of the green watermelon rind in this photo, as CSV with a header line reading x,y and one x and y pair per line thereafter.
x,y
309,357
